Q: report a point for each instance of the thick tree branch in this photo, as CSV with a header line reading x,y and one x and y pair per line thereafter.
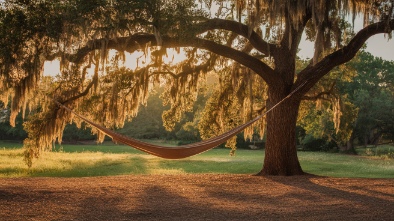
x,y
313,73
239,28
140,41
259,67
293,32
82,94
321,95
199,68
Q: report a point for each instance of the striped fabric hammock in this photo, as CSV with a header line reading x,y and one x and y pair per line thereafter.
x,y
178,152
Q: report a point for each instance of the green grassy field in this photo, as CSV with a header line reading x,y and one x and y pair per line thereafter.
x,y
111,159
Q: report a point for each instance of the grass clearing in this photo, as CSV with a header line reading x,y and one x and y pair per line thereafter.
x,y
382,151
111,159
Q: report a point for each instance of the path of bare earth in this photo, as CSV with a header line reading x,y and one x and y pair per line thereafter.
x,y
196,197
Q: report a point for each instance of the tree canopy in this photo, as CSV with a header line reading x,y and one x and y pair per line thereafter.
x,y
363,88
250,45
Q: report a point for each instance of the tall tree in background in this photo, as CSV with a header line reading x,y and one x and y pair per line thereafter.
x,y
252,46
364,88
372,91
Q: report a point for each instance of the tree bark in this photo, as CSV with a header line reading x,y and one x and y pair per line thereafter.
x,y
280,150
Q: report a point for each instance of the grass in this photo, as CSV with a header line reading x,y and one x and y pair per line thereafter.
x,y
381,151
110,159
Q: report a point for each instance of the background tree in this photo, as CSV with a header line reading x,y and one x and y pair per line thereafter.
x,y
251,45
372,92
364,87
148,124
6,131
327,114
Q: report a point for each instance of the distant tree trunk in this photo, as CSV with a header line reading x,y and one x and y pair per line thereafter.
x,y
365,140
372,137
349,147
375,137
280,150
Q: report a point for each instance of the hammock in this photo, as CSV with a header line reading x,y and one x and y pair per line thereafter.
x,y
178,152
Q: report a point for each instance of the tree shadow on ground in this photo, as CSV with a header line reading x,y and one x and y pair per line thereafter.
x,y
298,199
158,203
348,197
196,197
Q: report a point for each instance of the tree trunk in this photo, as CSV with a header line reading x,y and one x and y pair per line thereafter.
x,y
349,148
280,150
375,137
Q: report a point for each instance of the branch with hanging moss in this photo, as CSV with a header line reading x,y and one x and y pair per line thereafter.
x,y
259,67
43,129
292,33
314,72
83,93
205,67
321,95
240,29
141,41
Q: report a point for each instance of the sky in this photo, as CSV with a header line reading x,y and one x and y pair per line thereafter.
x,y
378,46
381,47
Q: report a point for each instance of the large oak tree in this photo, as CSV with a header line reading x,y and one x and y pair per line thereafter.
x,y
251,45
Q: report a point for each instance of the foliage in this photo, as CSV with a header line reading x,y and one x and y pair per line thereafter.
x,y
372,92
319,122
311,143
148,124
365,90
72,133
12,133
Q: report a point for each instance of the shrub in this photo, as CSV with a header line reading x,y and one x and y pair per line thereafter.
x,y
310,143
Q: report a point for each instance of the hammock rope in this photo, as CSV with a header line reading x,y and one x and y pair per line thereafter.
x,y
178,152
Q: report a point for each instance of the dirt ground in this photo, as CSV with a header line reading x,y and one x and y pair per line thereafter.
x,y
196,197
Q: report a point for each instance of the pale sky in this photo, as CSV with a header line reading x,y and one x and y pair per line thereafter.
x,y
378,46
